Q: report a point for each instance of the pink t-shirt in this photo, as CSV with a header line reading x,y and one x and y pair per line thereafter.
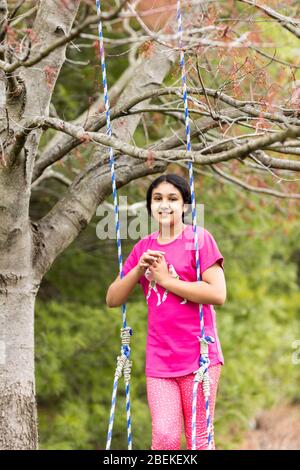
x,y
172,348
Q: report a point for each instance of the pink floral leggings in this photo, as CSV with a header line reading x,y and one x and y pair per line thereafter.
x,y
168,399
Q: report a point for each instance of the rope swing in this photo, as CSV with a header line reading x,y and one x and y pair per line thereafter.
x,y
124,363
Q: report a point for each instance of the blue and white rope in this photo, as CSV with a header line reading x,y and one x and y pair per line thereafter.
x,y
202,375
125,349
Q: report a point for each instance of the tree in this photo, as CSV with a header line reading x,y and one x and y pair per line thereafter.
x,y
233,120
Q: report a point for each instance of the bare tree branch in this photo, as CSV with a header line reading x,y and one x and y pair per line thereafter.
x,y
253,189
62,41
291,24
278,163
51,174
175,155
92,119
64,145
15,10
3,18
30,102
275,59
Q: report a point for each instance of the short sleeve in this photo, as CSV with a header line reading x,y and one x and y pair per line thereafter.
x,y
209,252
131,261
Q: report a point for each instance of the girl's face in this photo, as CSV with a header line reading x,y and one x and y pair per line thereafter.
x,y
167,204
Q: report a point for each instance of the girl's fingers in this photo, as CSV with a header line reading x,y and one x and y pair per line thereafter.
x,y
155,252
152,258
149,258
146,263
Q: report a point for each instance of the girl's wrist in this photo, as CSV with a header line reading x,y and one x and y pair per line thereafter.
x,y
165,282
139,271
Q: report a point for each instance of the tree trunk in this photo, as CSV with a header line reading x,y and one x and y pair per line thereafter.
x,y
18,283
18,427
18,423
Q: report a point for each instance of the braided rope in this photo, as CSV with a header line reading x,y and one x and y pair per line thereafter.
x,y
123,362
202,375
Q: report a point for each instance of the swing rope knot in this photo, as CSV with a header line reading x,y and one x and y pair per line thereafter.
x,y
126,333
121,360
201,375
127,371
124,365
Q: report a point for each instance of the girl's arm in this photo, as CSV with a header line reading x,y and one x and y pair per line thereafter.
x,y
119,291
211,290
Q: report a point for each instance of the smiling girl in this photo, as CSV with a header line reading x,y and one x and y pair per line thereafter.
x,y
164,264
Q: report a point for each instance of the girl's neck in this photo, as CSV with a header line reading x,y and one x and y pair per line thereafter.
x,y
166,234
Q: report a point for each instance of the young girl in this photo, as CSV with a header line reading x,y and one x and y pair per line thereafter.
x,y
164,264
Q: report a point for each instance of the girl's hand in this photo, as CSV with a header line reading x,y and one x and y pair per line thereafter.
x,y
160,271
148,258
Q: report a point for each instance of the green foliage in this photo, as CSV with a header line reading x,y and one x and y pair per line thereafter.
x,y
76,350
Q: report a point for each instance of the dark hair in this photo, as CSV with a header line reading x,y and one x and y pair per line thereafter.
x,y
179,182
